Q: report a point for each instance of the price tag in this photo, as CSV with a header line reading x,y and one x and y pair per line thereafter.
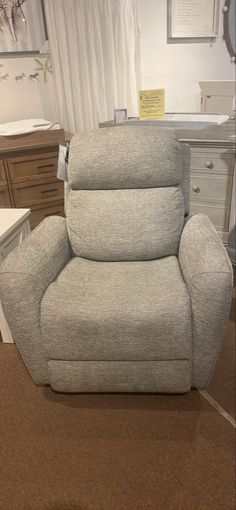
x,y
62,163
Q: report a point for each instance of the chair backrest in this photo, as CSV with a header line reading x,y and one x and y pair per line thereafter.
x,y
125,193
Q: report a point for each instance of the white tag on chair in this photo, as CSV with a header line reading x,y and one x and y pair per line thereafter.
x,y
62,163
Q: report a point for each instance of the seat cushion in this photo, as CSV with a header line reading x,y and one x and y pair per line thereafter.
x,y
117,311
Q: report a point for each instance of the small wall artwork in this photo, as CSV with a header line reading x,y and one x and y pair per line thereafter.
x,y
39,73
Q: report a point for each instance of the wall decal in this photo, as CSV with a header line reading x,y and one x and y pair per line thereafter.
x,y
44,66
22,71
4,77
33,77
20,77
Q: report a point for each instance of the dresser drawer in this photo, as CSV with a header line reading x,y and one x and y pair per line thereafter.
x,y
38,215
14,239
27,195
212,162
36,166
216,189
218,214
2,173
4,197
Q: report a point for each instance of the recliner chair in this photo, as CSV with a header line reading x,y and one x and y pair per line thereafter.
x,y
128,293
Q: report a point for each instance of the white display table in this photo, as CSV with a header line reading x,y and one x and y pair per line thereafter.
x,y
14,227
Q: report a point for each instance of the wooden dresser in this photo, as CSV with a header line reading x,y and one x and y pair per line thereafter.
x,y
28,169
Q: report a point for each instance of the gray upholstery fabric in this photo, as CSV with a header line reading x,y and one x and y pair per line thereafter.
x,y
135,319
208,274
123,169
140,157
108,376
130,224
117,311
24,277
124,200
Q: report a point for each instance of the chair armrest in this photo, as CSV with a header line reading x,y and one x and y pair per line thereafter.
x,y
207,272
24,276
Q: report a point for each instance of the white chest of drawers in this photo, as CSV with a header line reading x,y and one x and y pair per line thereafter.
x,y
211,183
212,171
212,174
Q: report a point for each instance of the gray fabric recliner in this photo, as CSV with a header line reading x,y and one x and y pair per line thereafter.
x,y
127,293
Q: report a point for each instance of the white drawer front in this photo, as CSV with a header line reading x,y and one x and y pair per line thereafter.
x,y
212,162
219,215
215,189
14,240
11,243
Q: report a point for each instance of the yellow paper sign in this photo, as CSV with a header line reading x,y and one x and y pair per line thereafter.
x,y
152,104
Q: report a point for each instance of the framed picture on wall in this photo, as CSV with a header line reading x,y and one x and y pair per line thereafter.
x,y
22,26
193,18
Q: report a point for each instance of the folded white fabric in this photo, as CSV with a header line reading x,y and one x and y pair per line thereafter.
x,y
19,127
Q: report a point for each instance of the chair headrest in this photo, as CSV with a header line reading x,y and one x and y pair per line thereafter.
x,y
125,157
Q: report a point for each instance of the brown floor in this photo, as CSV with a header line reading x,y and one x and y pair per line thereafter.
x,y
223,384
116,452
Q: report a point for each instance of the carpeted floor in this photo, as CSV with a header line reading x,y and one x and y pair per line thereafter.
x,y
223,384
116,452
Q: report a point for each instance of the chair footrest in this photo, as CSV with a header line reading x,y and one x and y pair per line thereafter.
x,y
173,376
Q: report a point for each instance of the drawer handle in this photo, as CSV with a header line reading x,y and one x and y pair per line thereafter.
x,y
196,188
46,168
209,164
52,190
52,214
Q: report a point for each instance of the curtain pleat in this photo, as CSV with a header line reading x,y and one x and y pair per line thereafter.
x,y
95,51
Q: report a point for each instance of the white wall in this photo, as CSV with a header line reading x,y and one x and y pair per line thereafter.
x,y
25,98
178,67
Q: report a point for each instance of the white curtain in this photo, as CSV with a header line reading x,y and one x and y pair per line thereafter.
x,y
94,46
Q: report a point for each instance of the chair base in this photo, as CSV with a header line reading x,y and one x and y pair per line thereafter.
x,y
173,376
